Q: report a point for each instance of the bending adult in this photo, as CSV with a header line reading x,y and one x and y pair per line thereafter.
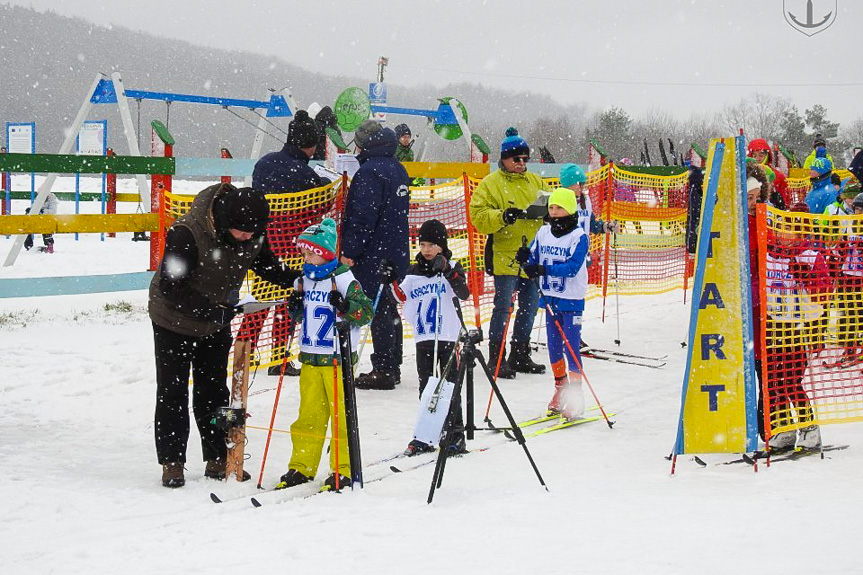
x,y
208,252
286,171
499,208
375,230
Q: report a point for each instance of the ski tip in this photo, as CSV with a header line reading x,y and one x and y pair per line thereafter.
x,y
255,503
395,469
215,498
699,461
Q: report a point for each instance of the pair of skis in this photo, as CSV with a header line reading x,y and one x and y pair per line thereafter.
x,y
622,357
559,423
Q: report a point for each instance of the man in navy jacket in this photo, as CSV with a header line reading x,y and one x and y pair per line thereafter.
x,y
375,230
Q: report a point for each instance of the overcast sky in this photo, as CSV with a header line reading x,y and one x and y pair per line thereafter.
x,y
676,55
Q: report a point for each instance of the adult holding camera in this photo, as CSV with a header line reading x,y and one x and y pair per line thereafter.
x,y
193,296
499,208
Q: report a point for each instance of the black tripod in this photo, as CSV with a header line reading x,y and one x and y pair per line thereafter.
x,y
468,356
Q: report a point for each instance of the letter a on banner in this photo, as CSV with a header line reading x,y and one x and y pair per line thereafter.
x,y
718,411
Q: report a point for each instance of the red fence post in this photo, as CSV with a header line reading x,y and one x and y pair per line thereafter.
x,y
226,154
111,190
160,184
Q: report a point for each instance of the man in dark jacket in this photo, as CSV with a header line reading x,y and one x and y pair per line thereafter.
x,y
376,229
286,172
192,302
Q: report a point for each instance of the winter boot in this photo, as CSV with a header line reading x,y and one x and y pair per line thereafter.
x,y
291,479
457,447
290,369
216,470
573,407
810,437
376,380
50,248
505,371
416,447
519,359
556,403
172,475
782,441
330,483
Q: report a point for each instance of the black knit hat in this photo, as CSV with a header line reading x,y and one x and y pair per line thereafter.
x,y
402,130
246,210
434,232
303,131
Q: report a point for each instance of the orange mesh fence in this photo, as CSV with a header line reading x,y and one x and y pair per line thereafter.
x,y
648,255
799,187
269,330
811,318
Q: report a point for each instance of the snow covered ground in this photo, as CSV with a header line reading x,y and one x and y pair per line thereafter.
x,y
80,489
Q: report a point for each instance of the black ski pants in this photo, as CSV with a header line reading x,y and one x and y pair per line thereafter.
x,y
425,369
208,359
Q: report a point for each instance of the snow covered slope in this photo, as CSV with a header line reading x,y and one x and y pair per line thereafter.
x,y
80,489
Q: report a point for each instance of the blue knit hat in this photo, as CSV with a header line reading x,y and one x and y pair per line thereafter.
x,y
320,239
570,174
822,165
513,145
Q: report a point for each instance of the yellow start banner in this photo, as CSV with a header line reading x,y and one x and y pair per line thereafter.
x,y
718,412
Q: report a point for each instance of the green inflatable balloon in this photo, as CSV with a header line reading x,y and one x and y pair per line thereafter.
x,y
352,108
449,131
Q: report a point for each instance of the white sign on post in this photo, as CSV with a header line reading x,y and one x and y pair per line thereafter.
x,y
21,139
91,139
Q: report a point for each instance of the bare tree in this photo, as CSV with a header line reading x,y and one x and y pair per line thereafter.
x,y
760,116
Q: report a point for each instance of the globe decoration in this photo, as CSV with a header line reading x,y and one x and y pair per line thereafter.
x,y
445,123
352,108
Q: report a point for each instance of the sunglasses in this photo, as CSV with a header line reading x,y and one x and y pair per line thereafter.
x,y
521,159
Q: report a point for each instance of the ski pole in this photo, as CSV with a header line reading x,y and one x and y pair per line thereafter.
x,y
437,323
578,363
616,290
275,406
336,353
505,332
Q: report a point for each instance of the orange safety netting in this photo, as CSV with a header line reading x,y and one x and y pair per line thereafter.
x,y
269,330
811,318
646,256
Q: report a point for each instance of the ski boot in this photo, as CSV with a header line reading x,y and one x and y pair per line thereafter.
x,y
416,447
574,399
505,371
519,359
782,441
457,447
172,475
556,403
376,380
810,437
291,479
330,483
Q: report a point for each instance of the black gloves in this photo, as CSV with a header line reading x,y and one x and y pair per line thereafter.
x,y
522,255
533,270
338,301
439,264
294,301
387,272
512,214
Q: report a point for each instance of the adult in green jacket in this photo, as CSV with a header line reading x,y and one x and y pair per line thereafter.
x,y
500,208
819,150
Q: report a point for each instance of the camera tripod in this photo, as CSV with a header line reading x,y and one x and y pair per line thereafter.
x,y
468,357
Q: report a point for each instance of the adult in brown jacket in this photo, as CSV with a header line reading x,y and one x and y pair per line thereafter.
x,y
193,296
